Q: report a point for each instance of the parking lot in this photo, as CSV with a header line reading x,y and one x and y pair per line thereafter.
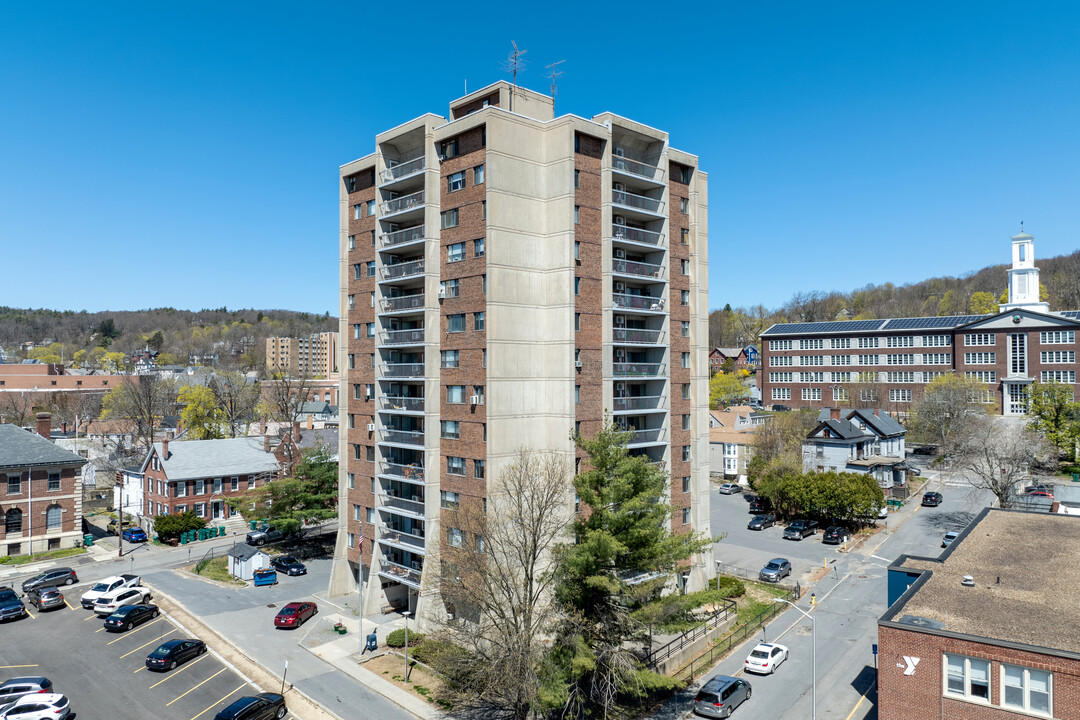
x,y
103,673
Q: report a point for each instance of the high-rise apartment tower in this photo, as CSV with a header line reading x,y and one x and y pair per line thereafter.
x,y
508,277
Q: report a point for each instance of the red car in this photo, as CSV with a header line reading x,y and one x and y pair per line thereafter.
x,y
295,614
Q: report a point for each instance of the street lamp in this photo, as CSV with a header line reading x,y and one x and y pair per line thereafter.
x,y
406,613
813,655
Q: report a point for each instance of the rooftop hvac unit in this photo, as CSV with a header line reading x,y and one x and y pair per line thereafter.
x,y
620,253
371,427
474,400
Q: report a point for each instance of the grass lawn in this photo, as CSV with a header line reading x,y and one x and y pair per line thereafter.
x,y
217,569
391,667
758,598
38,557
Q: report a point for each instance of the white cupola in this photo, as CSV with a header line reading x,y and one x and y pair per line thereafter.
x,y
1024,276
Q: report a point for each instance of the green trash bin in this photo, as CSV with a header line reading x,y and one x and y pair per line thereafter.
x,y
252,524
1076,477
87,540
221,531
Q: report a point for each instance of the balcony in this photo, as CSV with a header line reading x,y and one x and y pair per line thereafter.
x,y
630,200
403,302
403,473
401,539
640,402
637,269
403,337
401,404
637,235
393,502
402,237
401,170
637,302
623,369
636,168
402,437
402,204
634,336
393,571
402,370
652,435
399,271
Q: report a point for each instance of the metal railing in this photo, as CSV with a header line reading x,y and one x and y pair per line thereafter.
x,y
394,571
728,609
641,235
640,269
645,436
402,370
636,167
406,473
408,404
636,335
403,337
631,200
640,402
403,302
637,302
416,507
409,437
402,169
401,270
622,369
394,536
399,237
403,203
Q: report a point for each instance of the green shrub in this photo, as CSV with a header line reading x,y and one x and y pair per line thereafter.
x,y
730,587
396,639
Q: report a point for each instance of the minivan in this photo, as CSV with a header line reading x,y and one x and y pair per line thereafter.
x,y
720,696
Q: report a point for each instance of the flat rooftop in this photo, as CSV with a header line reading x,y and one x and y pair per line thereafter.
x,y
1026,574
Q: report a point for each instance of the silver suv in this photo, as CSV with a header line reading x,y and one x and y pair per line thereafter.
x,y
720,696
16,688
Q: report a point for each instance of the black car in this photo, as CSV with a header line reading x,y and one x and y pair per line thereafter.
x,y
11,607
45,597
798,529
931,499
834,535
289,565
757,505
760,522
54,577
129,616
173,652
263,706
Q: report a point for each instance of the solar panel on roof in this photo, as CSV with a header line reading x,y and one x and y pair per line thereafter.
x,y
1071,313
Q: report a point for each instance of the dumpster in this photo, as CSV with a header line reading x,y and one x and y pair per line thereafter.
x,y
266,576
87,540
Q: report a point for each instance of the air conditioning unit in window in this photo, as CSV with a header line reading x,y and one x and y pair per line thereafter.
x,y
367,393
474,400
620,253
442,293
620,354
577,363
620,321
620,287
371,427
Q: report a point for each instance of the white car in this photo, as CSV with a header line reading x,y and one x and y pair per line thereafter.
x,y
109,602
39,706
108,585
764,658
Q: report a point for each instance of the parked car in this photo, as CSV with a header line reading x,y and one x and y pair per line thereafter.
x,y
16,688
1039,488
1040,493
720,696
288,564
11,607
264,535
760,522
113,528
109,584
730,488
759,505
39,706
798,529
134,534
931,499
45,597
949,538
775,570
883,512
295,614
54,577
174,652
834,535
765,658
109,603
129,616
263,706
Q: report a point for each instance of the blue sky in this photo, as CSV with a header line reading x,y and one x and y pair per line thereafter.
x,y
186,155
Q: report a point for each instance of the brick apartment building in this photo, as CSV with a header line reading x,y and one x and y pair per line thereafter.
x,y
316,356
888,362
49,377
509,277
990,630
42,501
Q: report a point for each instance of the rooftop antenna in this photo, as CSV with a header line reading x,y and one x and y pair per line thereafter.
x,y
1021,226
512,65
554,73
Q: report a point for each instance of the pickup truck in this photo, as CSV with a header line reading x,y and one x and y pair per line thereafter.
x,y
264,535
798,529
108,603
108,585
11,606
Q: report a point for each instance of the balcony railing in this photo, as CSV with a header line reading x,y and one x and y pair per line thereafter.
x,y
403,203
405,473
636,167
402,370
408,437
625,232
644,436
405,404
640,402
637,302
403,337
634,335
394,571
415,507
630,200
640,269
402,270
621,369
403,169
403,302
388,534
399,237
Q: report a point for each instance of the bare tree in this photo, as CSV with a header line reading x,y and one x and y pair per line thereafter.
x,y
996,453
498,586
17,408
237,397
947,407
283,398
145,400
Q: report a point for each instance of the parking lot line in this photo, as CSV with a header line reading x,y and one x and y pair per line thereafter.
x,y
129,633
70,607
198,686
91,616
30,614
223,698
155,640
174,674
11,667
